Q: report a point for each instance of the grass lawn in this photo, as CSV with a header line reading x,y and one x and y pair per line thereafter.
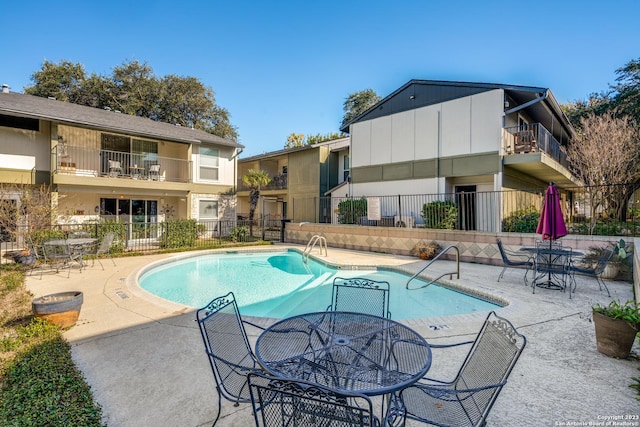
x,y
39,383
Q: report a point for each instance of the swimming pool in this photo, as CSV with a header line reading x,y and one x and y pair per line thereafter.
x,y
280,284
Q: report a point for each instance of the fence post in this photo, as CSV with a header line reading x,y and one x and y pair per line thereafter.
x,y
400,212
283,223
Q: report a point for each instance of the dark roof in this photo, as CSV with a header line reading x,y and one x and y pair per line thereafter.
x,y
19,104
340,142
421,93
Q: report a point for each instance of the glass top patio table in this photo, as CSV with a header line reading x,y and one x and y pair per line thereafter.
x,y
553,251
345,351
79,241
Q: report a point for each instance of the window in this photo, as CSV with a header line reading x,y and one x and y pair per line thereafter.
x,y
208,209
345,164
209,164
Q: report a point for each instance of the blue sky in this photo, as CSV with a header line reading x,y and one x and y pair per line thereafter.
x,y
287,66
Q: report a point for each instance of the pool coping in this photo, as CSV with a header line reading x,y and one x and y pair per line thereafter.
x,y
487,294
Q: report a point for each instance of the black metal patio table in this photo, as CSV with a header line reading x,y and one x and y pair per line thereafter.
x,y
346,351
552,266
77,246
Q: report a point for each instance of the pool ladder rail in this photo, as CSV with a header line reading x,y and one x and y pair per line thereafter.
x,y
316,239
444,251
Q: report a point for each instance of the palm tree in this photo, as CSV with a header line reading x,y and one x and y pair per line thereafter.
x,y
254,179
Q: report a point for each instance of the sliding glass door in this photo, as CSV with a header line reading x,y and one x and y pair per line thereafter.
x,y
141,215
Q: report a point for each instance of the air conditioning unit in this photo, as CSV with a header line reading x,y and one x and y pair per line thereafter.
x,y
404,221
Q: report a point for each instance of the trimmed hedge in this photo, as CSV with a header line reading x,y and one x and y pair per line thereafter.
x,y
43,387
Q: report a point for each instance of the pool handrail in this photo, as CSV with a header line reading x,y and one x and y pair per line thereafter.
x,y
444,251
312,244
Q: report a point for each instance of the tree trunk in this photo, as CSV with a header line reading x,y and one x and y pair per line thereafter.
x,y
254,196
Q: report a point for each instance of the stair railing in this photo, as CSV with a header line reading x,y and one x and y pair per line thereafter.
x,y
437,257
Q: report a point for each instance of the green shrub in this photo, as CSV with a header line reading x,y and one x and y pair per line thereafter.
x,y
440,215
179,233
119,231
42,387
350,211
238,234
601,228
522,221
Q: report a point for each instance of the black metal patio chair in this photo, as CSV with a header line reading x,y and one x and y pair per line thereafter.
x,y
58,255
514,259
103,248
594,271
227,346
281,402
467,400
360,295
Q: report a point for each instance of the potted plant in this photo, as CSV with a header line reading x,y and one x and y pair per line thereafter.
x,y
622,257
426,250
620,261
616,327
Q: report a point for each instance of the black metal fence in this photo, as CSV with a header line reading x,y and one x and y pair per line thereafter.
x,y
612,210
151,237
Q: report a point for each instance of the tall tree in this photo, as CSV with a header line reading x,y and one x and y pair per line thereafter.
x,y
615,139
317,139
357,103
254,179
622,98
134,89
60,81
627,90
596,103
295,140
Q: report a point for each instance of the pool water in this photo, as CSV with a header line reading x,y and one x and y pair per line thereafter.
x,y
280,284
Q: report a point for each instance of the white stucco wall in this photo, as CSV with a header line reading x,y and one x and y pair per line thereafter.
x,y
392,188
462,126
26,144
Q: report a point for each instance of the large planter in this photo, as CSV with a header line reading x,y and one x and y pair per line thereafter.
x,y
614,337
61,309
610,271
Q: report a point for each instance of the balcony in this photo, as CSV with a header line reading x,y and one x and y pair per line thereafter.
x,y
278,182
534,138
85,162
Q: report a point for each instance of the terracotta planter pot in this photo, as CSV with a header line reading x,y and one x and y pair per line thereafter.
x,y
61,309
614,337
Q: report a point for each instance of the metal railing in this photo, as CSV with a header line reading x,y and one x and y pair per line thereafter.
x,y
534,137
321,241
611,210
278,182
437,257
71,160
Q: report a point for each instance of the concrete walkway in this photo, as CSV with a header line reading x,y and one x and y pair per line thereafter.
x,y
145,360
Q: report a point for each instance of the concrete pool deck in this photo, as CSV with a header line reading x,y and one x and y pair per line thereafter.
x,y
145,360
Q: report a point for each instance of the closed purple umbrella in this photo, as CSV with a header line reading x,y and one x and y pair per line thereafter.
x,y
551,225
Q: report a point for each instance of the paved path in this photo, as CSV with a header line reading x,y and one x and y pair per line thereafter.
x,y
144,357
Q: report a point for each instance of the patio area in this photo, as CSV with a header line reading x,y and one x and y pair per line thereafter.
x,y
145,361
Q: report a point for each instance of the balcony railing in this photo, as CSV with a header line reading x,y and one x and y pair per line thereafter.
x,y
534,138
115,164
278,182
